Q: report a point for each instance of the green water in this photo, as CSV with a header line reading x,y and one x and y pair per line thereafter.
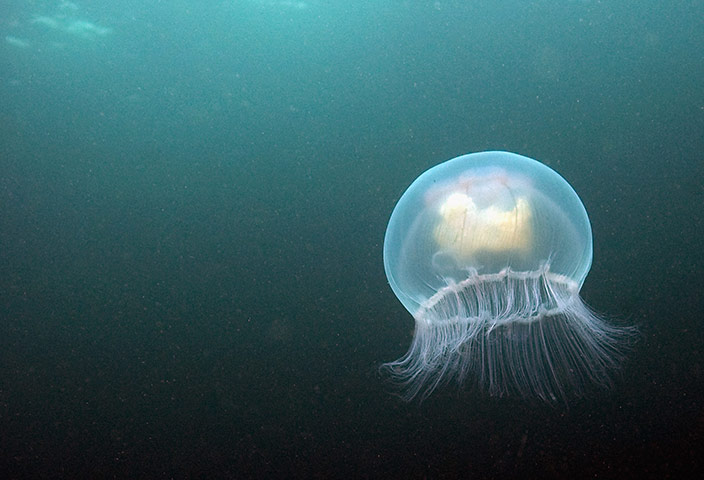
x,y
193,199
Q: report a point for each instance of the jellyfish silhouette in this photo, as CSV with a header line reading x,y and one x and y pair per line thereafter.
x,y
488,252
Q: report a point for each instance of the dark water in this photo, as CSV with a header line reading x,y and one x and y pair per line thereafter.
x,y
193,200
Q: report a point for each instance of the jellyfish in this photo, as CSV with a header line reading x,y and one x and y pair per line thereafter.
x,y
488,252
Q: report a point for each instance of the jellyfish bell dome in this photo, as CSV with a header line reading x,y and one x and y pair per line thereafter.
x,y
488,252
485,213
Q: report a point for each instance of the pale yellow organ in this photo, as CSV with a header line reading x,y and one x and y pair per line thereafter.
x,y
465,229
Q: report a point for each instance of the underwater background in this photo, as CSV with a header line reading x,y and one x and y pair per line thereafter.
x,y
193,200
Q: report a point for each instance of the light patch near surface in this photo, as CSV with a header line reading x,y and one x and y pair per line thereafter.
x,y
17,42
